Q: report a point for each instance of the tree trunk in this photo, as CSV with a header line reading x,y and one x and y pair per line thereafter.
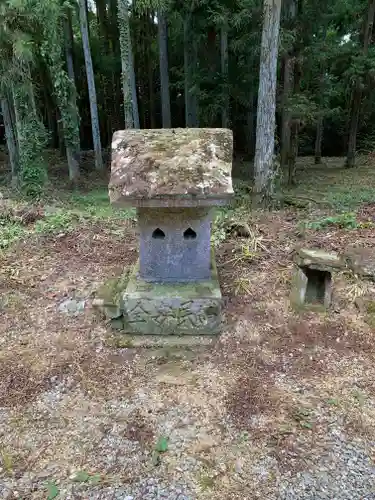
x,y
195,82
17,122
91,87
133,86
294,126
318,140
60,134
190,61
32,167
72,154
11,139
357,91
113,22
353,126
87,17
320,121
69,44
250,127
50,113
265,131
151,91
224,73
103,23
293,151
291,8
286,115
113,35
164,76
127,67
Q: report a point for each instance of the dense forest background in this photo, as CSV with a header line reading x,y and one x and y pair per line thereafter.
x,y
74,72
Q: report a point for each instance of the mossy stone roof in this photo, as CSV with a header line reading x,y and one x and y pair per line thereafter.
x,y
188,163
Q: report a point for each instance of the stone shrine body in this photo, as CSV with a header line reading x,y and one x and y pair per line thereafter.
x,y
174,177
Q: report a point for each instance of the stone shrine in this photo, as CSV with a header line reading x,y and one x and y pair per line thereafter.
x,y
174,177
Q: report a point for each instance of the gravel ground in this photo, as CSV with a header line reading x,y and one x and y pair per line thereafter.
x,y
344,472
115,439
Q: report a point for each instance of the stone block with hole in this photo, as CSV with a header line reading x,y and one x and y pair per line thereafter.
x,y
174,177
312,284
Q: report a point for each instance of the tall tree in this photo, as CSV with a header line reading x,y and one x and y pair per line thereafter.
x,y
356,99
55,35
18,58
190,66
319,123
164,74
127,67
68,39
101,11
265,132
288,80
224,73
6,105
91,86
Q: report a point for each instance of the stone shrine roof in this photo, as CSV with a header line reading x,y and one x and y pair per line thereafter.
x,y
171,167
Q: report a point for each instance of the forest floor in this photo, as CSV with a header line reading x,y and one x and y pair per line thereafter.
x,y
280,406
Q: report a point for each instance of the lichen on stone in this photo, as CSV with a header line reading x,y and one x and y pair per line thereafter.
x,y
148,164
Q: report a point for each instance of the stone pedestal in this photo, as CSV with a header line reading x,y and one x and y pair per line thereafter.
x,y
192,308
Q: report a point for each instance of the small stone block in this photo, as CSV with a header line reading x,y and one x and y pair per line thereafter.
x,y
192,308
319,259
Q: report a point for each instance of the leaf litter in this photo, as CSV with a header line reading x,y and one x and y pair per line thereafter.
x,y
269,365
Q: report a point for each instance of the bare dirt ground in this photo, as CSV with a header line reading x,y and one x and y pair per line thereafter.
x,y
260,414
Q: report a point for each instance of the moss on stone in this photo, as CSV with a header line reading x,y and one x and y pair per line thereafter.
x,y
188,291
369,310
370,320
120,341
174,162
111,291
370,307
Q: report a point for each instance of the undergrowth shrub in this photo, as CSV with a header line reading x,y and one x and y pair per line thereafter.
x,y
347,220
34,178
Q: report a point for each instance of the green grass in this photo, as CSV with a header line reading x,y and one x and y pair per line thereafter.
x,y
9,233
96,205
64,214
346,220
334,186
349,198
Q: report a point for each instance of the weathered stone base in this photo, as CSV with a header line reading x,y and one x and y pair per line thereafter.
x,y
172,308
134,306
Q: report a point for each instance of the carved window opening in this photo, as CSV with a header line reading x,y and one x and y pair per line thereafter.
x,y
158,234
190,234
